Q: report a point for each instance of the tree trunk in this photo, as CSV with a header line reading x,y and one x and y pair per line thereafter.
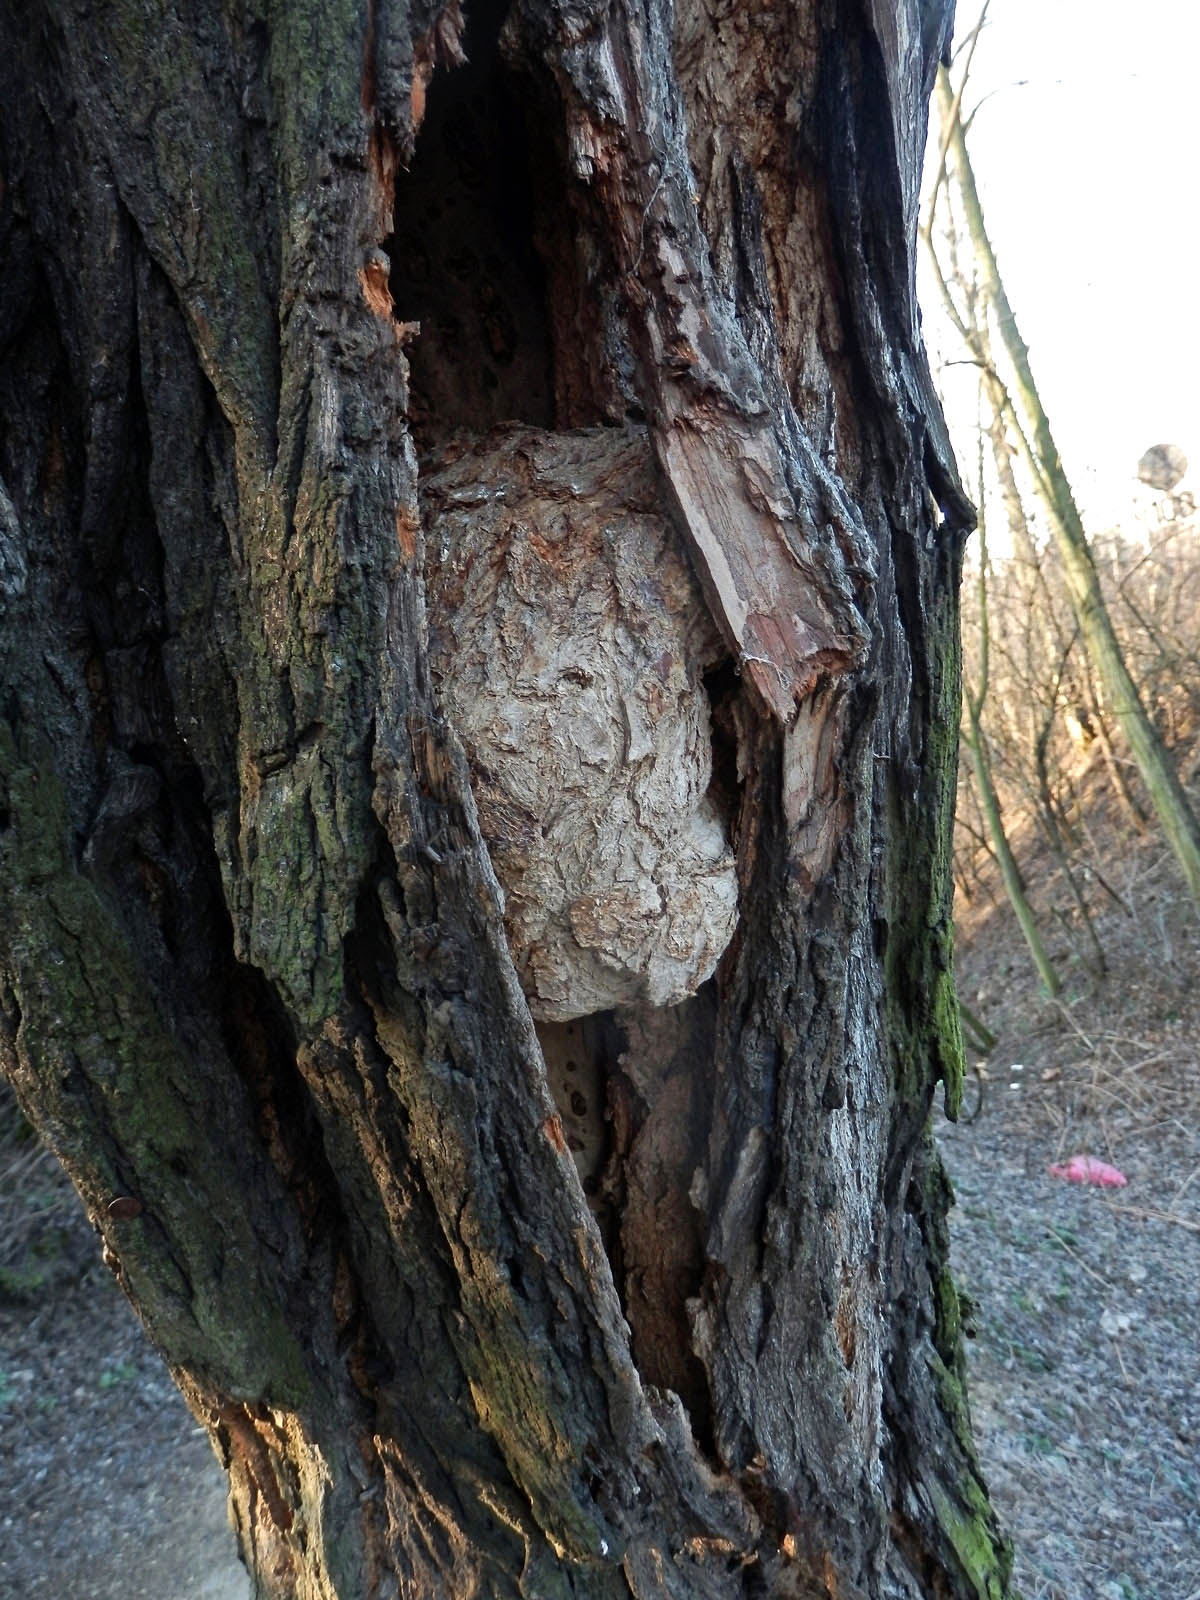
x,y
272,950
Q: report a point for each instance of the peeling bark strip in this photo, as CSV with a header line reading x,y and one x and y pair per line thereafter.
x,y
276,880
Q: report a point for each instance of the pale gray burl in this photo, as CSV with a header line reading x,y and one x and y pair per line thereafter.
x,y
569,639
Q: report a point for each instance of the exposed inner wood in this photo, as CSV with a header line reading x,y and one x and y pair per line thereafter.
x,y
634,1091
569,641
575,1054
571,644
665,1089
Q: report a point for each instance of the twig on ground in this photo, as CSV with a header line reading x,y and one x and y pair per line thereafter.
x,y
1185,1186
1151,1215
1077,1258
1065,1012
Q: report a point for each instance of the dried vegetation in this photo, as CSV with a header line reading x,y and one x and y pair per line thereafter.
x,y
1086,1303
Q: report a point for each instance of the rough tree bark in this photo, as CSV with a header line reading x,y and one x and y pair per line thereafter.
x,y
257,986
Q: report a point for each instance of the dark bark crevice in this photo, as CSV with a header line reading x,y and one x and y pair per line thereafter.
x,y
464,263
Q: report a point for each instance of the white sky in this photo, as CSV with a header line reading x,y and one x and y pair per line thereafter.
x,y
1087,155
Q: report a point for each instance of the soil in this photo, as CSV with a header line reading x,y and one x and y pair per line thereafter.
x,y
109,1490
1084,1369
1085,1377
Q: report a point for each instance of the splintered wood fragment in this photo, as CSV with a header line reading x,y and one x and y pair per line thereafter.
x,y
773,615
744,475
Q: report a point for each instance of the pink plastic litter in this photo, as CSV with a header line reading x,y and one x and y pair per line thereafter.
x,y
1086,1169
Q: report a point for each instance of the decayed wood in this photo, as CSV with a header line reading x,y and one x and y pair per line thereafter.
x,y
770,541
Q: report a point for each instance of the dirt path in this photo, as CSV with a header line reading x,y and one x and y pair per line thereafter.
x,y
1086,1365
1085,1377
108,1489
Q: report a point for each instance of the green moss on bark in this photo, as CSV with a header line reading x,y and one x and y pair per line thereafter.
x,y
969,1527
955,1488
924,1027
104,1076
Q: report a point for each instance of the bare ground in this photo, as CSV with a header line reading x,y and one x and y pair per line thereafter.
x,y
1085,1368
1085,1364
108,1488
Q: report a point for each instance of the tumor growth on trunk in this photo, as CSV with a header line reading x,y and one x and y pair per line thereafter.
x,y
570,641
